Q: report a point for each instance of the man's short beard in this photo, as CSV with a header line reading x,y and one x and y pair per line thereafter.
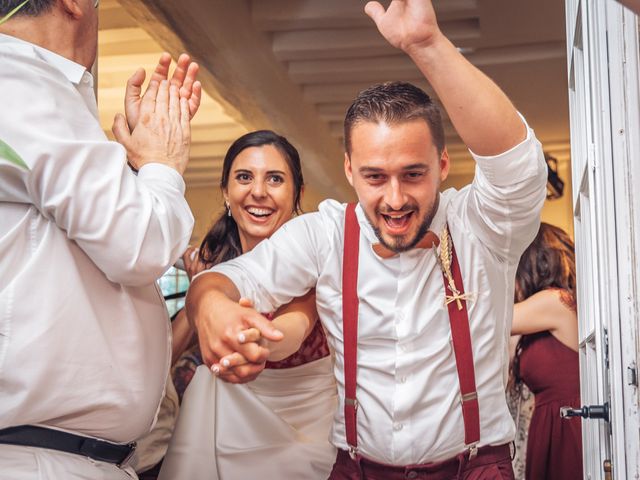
x,y
401,246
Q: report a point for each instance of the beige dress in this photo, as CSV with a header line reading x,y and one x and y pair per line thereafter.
x,y
274,427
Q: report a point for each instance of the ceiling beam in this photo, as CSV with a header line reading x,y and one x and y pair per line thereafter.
x,y
278,15
354,42
240,71
399,66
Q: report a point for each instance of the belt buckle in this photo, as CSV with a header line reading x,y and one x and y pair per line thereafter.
x,y
132,446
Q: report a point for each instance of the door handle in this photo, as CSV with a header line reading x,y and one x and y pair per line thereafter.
x,y
588,411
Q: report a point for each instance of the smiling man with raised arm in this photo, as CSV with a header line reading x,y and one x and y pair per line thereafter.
x,y
84,332
414,286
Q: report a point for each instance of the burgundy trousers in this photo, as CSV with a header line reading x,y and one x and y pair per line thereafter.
x,y
491,463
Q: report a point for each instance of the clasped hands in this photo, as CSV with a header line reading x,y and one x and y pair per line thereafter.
x,y
240,352
156,126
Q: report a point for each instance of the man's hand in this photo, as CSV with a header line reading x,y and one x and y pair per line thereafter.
x,y
184,77
163,132
219,319
406,24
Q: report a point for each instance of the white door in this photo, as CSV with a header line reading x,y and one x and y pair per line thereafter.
x,y
605,151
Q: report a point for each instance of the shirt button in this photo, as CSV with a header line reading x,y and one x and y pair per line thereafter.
x,y
397,427
412,474
402,379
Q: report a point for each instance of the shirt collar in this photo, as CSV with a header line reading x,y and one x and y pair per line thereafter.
x,y
70,69
437,224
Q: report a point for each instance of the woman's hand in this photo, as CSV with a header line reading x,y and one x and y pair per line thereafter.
x,y
192,262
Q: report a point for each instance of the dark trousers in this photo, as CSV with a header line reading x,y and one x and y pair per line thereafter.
x,y
491,463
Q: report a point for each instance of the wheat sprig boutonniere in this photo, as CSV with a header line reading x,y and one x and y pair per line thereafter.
x,y
9,154
13,12
444,259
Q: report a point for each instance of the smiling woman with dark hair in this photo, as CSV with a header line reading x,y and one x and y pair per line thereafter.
x,y
286,412
546,357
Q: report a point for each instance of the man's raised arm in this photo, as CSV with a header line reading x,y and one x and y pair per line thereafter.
x,y
482,114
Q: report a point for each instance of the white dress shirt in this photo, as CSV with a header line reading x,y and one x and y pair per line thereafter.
x,y
408,391
84,332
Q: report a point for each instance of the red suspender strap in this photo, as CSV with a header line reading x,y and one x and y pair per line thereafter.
x,y
350,322
460,333
461,336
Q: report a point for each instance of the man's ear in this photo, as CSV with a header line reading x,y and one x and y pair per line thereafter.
x,y
347,168
72,8
445,163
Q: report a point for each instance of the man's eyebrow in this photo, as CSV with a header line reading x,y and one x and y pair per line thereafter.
x,y
413,167
417,166
371,170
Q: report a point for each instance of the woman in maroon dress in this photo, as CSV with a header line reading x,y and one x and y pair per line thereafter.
x,y
546,358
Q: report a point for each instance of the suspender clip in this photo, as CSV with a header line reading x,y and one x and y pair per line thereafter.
x,y
473,451
353,452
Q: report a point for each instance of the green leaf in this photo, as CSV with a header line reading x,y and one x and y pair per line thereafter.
x,y
8,153
13,12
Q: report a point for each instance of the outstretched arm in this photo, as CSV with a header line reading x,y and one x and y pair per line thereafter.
x,y
482,114
212,305
546,311
295,320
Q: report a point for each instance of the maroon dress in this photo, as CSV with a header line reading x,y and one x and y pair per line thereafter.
x,y
551,371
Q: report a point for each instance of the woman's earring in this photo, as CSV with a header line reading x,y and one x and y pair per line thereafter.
x,y
228,207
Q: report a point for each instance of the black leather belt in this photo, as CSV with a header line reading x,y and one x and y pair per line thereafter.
x,y
101,450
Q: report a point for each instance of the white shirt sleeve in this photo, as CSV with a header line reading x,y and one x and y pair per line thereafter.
x,y
132,227
283,267
505,199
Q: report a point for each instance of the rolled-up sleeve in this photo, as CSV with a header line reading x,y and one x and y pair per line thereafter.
x,y
505,199
282,267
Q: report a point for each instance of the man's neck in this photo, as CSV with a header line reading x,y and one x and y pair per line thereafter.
x,y
48,31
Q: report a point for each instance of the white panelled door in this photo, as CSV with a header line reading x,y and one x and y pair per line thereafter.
x,y
602,40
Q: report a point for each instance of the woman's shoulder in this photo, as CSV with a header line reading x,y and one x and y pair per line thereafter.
x,y
558,297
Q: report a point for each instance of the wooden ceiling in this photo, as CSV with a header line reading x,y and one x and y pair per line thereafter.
x,y
295,65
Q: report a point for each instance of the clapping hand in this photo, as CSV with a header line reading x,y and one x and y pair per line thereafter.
x,y
184,77
163,132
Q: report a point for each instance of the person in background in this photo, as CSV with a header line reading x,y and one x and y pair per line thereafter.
x,y
521,405
292,403
84,333
546,357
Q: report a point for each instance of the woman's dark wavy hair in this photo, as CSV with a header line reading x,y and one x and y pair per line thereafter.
x,y
222,242
549,262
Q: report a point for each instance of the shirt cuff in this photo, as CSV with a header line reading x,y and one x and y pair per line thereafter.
x,y
514,165
159,171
